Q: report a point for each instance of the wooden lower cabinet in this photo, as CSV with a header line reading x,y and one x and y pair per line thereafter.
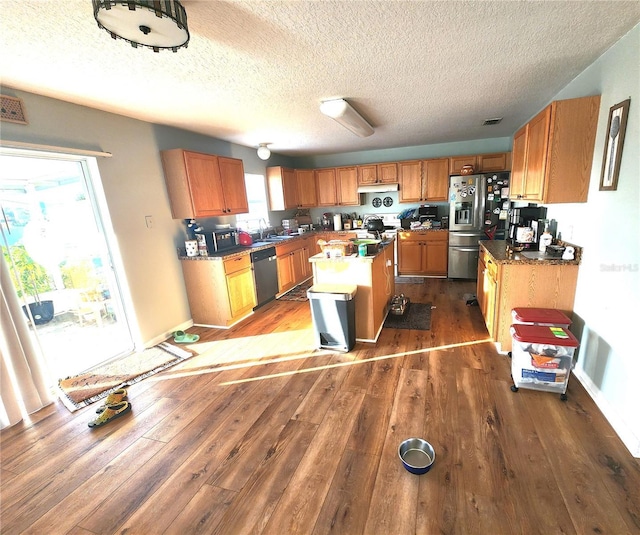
x,y
503,286
293,264
423,253
220,293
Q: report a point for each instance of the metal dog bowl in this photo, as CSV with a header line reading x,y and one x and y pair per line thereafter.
x,y
417,455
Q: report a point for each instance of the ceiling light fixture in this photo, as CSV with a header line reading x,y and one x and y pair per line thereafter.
x,y
263,151
156,25
342,112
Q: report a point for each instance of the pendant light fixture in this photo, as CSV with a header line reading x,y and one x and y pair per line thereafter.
x,y
342,112
159,25
263,151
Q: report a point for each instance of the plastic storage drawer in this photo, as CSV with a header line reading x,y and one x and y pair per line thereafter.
x,y
542,357
540,316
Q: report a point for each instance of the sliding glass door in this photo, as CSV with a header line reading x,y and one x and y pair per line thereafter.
x,y
55,247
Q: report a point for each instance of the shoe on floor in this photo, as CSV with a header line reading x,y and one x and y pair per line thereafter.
x,y
111,412
181,337
115,397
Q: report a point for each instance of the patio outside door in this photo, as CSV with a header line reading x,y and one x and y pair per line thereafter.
x,y
55,247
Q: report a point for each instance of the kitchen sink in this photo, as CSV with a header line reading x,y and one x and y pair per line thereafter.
x,y
278,238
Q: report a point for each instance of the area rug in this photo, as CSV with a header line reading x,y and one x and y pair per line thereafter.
x,y
299,293
86,388
417,316
410,280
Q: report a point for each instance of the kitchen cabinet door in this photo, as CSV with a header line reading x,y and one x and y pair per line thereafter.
x,y
410,257
241,292
233,185
436,179
518,166
489,163
282,187
410,180
457,162
347,186
326,187
306,184
286,274
436,258
388,173
193,184
537,143
367,174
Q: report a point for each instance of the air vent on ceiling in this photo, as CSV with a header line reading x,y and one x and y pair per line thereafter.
x,y
11,110
489,122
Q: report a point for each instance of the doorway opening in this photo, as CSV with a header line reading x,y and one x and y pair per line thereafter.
x,y
55,243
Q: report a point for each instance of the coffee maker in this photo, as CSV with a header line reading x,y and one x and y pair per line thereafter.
x,y
526,224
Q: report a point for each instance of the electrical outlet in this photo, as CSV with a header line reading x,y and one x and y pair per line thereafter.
x,y
148,219
388,262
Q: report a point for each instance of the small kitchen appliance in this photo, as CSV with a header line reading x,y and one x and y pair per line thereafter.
x,y
526,225
218,240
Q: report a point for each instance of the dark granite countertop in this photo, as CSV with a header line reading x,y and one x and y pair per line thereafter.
x,y
499,250
246,249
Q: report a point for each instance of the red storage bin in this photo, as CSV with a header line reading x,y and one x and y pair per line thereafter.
x,y
540,316
542,357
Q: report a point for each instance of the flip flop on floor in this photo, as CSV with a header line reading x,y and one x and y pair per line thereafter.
x,y
115,397
110,413
181,337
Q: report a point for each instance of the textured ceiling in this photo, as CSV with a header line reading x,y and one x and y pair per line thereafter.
x,y
421,72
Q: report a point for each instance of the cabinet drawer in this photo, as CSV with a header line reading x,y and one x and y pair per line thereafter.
x,y
424,235
237,263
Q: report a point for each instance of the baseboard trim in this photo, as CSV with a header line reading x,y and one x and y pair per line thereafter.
x,y
628,437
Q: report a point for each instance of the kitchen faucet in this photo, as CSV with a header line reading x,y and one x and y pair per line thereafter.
x,y
262,229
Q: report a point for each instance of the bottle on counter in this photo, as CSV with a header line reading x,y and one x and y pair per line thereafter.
x,y
545,239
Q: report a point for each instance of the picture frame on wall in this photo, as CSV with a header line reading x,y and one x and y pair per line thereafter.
x,y
614,142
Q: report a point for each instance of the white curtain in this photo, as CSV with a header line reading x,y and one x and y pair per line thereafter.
x,y
23,375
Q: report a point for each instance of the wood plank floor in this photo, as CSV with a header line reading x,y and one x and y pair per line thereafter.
x,y
263,433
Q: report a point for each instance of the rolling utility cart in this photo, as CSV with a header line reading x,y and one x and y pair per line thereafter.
x,y
542,358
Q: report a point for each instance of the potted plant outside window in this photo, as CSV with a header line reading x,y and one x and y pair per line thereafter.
x,y
33,279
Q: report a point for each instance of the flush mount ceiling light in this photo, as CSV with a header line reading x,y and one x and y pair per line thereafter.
x,y
342,112
263,151
160,25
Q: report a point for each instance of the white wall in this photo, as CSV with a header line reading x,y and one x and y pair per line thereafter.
x,y
608,227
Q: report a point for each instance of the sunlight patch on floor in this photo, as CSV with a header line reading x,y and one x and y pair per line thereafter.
x,y
249,362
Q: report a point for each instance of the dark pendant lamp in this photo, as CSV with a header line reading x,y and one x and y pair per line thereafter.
x,y
160,25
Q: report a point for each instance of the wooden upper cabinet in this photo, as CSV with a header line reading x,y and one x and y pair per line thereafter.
x,y
382,173
410,179
553,153
518,163
282,188
537,143
203,185
347,186
482,163
233,185
435,179
367,174
487,163
306,184
326,187
457,162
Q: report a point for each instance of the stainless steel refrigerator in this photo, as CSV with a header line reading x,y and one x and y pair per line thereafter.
x,y
478,206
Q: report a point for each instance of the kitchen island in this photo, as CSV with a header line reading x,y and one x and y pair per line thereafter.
x,y
374,277
507,280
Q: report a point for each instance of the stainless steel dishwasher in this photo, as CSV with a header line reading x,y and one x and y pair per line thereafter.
x,y
265,275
